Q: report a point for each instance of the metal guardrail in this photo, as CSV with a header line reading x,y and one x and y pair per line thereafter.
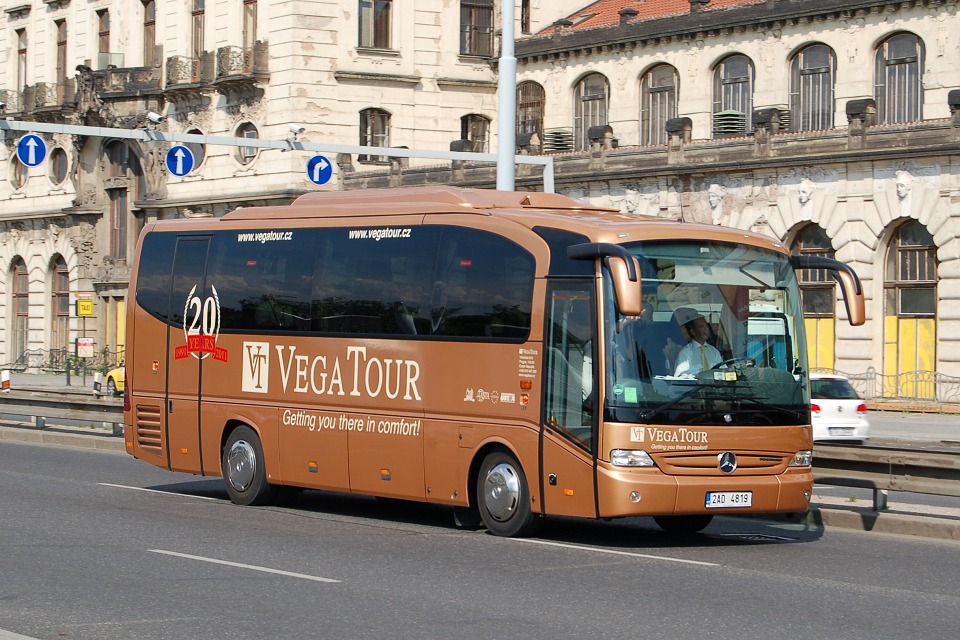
x,y
40,406
880,468
888,469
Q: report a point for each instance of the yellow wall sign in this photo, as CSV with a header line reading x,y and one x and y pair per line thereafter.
x,y
84,307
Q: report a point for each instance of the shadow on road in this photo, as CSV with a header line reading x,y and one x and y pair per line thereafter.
x,y
625,533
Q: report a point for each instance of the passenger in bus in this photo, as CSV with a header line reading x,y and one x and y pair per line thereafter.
x,y
698,355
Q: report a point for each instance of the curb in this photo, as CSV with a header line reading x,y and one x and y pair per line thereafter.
x,y
887,521
103,441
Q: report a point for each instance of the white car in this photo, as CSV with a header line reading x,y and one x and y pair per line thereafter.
x,y
838,413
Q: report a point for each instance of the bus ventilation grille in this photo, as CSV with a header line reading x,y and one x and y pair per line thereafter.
x,y
148,428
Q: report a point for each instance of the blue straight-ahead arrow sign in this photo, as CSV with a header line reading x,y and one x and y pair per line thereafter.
x,y
31,150
180,160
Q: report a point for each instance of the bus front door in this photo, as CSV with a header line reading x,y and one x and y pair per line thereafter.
x,y
568,427
186,350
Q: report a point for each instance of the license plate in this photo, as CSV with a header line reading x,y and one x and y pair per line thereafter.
x,y
727,499
841,431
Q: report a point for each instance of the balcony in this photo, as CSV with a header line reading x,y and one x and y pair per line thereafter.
x,y
50,98
241,70
189,77
11,100
120,83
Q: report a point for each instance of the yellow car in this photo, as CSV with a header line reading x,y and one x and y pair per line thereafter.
x,y
115,380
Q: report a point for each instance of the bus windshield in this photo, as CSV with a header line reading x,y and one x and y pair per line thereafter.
x,y
719,340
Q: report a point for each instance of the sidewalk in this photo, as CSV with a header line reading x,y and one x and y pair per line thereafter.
x,y
51,382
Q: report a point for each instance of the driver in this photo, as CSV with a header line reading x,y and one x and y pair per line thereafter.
x,y
697,356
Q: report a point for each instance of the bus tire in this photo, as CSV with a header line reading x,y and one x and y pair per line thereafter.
x,y
683,524
244,470
503,497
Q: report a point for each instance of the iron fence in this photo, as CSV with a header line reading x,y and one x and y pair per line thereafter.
x,y
923,390
57,361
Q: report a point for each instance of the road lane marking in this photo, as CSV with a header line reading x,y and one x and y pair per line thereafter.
x,y
166,493
240,565
614,552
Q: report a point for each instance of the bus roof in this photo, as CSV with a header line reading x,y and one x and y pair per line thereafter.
x,y
412,200
526,208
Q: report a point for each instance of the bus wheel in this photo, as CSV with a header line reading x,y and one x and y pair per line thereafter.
x,y
243,469
683,524
503,497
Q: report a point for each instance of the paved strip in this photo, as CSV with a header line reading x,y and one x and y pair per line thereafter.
x,y
166,493
614,552
10,635
251,567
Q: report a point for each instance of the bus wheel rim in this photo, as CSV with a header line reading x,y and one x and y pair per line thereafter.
x,y
501,492
241,465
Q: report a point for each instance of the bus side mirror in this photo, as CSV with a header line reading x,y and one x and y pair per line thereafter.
x,y
624,269
628,292
850,285
852,297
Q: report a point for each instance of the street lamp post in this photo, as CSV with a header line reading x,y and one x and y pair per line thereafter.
x,y
507,105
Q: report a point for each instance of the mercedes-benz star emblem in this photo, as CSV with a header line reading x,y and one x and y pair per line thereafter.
x,y
728,462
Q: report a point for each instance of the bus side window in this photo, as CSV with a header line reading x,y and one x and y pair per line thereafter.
x,y
484,287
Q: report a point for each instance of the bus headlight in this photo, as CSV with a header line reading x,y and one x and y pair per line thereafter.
x,y
802,458
630,458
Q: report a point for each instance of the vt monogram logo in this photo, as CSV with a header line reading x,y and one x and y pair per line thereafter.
x,y
256,367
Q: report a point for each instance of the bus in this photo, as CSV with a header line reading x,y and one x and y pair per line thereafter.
x,y
510,355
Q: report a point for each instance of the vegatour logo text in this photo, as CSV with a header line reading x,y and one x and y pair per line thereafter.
x,y
353,373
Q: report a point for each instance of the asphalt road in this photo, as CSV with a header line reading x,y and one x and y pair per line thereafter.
x,y
94,544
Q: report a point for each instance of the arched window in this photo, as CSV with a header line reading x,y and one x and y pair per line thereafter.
x,y
658,103
733,96
818,294
246,155
899,80
476,129
910,304
374,132
60,306
21,307
590,107
812,77
530,99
